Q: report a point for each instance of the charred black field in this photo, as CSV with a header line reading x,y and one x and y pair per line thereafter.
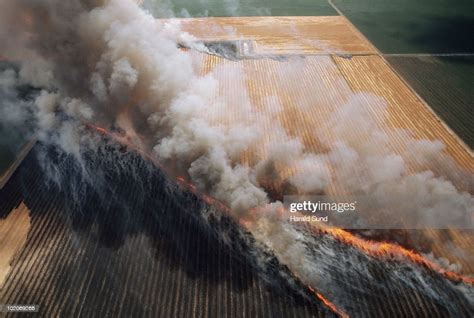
x,y
133,237
131,242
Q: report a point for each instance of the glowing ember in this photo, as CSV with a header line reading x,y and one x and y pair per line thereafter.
x,y
101,130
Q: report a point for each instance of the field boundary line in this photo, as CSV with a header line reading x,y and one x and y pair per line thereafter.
x,y
439,119
18,160
428,54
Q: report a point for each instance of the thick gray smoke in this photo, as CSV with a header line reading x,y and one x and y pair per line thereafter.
x,y
111,64
13,110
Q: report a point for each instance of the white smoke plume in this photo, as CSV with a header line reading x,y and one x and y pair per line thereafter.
x,y
11,112
112,64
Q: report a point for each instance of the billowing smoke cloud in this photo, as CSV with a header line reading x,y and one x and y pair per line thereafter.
x,y
11,112
16,112
111,64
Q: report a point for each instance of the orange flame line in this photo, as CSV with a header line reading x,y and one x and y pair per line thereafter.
x,y
324,300
328,304
378,249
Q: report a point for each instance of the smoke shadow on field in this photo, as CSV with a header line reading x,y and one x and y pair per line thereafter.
x,y
118,205
130,198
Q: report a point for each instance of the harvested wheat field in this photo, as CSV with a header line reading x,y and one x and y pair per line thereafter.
x,y
13,232
282,35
